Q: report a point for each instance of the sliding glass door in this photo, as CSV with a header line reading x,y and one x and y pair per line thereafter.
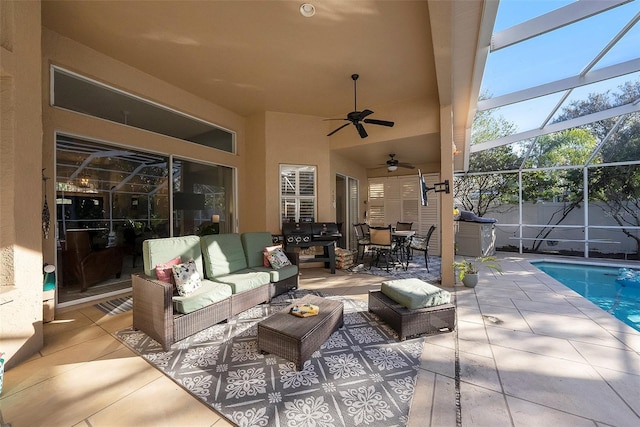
x,y
203,198
109,199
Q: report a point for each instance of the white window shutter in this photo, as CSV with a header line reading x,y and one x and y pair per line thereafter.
x,y
375,214
398,199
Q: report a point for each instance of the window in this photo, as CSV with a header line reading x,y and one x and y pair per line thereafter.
x,y
80,94
297,193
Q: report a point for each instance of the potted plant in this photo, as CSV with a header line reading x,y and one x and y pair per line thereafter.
x,y
467,269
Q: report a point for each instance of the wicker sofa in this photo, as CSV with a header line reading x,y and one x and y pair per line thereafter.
x,y
233,279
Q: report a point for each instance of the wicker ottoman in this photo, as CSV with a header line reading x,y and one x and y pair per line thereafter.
x,y
406,322
296,338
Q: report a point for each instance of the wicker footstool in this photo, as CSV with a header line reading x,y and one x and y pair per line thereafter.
x,y
296,338
408,322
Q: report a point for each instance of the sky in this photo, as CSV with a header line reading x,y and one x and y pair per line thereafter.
x,y
558,54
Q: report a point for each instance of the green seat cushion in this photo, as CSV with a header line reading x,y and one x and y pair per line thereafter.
x,y
244,280
223,254
279,274
414,293
207,294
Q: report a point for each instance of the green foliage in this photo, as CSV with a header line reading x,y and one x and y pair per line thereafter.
x,y
617,186
473,265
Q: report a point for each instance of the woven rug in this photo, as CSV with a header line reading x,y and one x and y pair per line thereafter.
x,y
361,376
416,269
116,305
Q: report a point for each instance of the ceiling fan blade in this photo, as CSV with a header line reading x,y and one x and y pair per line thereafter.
x,y
361,131
406,165
364,114
379,122
344,125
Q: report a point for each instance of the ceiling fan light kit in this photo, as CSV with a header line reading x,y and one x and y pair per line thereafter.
x,y
393,164
358,117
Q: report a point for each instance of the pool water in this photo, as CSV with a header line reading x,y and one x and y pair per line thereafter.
x,y
598,284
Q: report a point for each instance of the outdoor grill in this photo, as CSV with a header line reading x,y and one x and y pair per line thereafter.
x,y
308,234
304,234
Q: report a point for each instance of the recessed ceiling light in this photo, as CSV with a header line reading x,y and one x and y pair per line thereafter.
x,y
307,10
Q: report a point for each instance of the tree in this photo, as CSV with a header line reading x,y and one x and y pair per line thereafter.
x,y
570,147
617,187
478,193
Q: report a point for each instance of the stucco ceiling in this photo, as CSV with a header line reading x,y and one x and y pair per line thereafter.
x,y
255,56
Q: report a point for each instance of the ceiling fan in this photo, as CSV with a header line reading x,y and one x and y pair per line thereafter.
x,y
358,117
393,164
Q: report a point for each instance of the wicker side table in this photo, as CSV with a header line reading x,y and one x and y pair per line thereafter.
x,y
296,338
406,322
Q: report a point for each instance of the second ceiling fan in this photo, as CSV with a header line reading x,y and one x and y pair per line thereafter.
x,y
358,117
393,164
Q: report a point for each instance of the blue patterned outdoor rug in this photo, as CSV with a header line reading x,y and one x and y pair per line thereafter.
x,y
361,376
116,305
416,269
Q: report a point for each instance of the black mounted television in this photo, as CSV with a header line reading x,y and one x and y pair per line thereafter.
x,y
423,189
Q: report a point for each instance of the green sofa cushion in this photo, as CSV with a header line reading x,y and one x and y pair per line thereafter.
x,y
209,293
244,280
279,274
223,254
254,244
160,251
414,293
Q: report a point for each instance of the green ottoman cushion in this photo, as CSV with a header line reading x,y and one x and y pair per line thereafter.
x,y
414,293
207,294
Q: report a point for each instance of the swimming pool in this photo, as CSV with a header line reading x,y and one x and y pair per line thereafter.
x,y
598,284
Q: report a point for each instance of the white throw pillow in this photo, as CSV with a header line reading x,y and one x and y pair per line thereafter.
x,y
187,277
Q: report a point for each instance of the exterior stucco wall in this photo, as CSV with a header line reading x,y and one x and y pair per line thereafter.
x,y
21,198
256,194
296,140
65,53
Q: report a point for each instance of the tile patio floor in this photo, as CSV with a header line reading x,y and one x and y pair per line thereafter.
x,y
531,353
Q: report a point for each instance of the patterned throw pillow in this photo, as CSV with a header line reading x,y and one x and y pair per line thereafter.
x,y
187,277
164,272
265,259
277,258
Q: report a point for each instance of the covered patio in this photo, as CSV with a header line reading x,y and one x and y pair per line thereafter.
x,y
527,351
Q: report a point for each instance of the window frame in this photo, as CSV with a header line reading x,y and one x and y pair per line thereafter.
x,y
297,198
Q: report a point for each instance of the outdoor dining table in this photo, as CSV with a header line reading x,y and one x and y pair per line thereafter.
x,y
402,237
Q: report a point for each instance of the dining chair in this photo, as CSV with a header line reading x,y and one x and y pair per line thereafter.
x,y
361,239
383,244
421,243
